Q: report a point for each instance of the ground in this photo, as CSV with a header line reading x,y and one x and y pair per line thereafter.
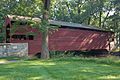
x,y
74,68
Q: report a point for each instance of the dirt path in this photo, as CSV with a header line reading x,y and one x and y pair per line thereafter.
x,y
9,61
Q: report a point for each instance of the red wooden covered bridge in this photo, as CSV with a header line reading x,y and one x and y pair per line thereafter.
x,y
68,37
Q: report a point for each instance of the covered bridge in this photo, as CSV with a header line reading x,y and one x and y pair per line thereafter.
x,y
68,37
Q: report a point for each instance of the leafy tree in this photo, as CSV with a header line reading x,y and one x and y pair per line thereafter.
x,y
32,8
45,51
2,30
3,14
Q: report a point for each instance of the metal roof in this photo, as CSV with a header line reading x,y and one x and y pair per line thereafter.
x,y
59,23
74,25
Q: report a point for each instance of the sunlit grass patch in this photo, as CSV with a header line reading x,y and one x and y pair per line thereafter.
x,y
74,68
3,61
110,77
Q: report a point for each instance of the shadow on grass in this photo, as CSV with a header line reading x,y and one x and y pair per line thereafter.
x,y
60,69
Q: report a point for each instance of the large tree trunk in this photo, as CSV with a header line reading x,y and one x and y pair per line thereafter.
x,y
45,49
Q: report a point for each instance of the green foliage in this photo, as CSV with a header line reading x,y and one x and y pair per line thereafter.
x,y
31,33
59,54
14,27
2,27
1,20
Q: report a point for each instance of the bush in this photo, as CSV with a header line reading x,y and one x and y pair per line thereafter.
x,y
56,54
91,53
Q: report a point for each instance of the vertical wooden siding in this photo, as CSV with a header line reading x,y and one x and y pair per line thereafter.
x,y
65,39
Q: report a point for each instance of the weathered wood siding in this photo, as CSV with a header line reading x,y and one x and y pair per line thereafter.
x,y
78,39
65,39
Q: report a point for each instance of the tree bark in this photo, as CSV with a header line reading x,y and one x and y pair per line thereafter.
x,y
89,20
45,49
103,23
100,16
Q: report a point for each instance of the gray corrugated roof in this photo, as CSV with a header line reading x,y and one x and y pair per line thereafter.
x,y
60,23
70,24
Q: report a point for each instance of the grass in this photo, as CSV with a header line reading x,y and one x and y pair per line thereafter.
x,y
62,69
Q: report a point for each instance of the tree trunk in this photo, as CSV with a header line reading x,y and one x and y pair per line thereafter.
x,y
45,49
89,20
100,16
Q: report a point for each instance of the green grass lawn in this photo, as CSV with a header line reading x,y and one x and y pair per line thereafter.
x,y
61,69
